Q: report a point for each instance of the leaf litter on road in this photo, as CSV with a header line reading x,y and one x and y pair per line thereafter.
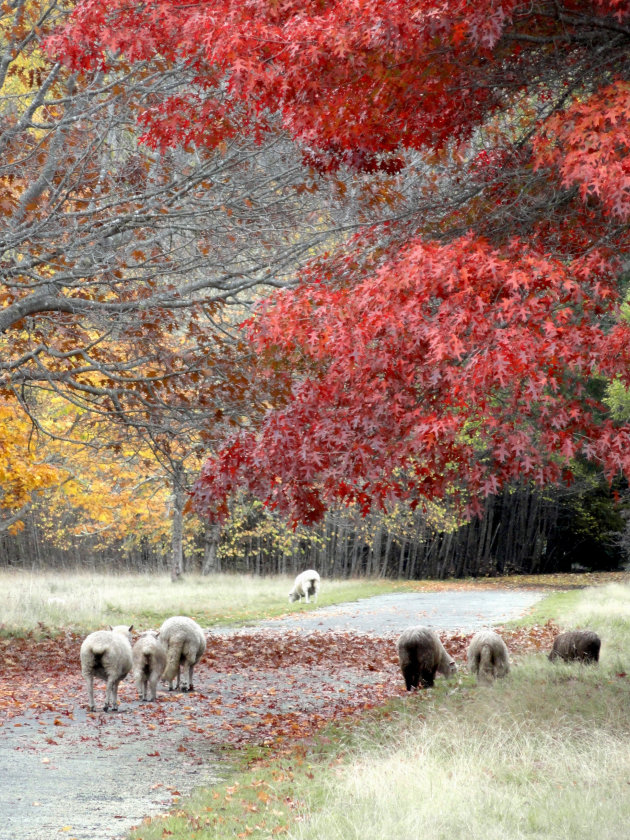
x,y
253,687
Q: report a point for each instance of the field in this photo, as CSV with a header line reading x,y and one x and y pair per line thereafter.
x,y
36,602
32,602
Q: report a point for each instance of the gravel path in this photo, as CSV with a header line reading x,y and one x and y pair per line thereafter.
x,y
384,615
71,780
93,776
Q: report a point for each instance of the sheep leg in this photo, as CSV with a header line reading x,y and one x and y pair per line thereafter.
x,y
190,678
116,684
140,687
110,695
107,698
412,676
89,679
427,678
151,689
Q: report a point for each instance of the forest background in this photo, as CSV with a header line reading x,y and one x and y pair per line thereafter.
x,y
433,206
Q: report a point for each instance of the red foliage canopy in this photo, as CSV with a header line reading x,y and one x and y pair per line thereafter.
x,y
350,78
451,365
417,365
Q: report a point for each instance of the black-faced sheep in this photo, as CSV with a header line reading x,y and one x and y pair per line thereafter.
x,y
576,645
306,583
106,654
185,645
149,661
488,656
421,655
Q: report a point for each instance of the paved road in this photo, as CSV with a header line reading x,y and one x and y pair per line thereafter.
x,y
91,777
91,784
383,615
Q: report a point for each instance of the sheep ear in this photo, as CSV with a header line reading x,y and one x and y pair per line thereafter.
x,y
109,627
131,628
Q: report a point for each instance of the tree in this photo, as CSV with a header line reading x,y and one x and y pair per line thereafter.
x,y
118,262
458,348
106,243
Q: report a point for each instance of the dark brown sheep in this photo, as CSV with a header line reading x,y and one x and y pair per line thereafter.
x,y
576,645
421,655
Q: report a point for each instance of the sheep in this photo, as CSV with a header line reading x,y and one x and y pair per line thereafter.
x,y
185,645
488,656
149,661
306,583
106,654
421,654
580,645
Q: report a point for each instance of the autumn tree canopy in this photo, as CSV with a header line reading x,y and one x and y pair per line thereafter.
x,y
466,342
118,261
107,246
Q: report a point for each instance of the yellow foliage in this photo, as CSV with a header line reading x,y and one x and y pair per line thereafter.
x,y
30,65
117,493
23,471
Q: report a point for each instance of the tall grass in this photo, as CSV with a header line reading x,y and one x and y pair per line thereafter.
x,y
83,601
543,754
507,779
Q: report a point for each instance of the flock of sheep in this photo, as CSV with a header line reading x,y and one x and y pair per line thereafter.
x,y
422,654
180,643
108,655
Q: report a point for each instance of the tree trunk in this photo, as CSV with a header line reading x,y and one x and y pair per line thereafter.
x,y
211,563
385,561
178,500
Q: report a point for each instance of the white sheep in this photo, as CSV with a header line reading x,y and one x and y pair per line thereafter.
x,y
488,656
106,654
306,583
421,655
149,661
185,645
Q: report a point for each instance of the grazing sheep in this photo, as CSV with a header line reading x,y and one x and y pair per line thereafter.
x,y
106,654
421,654
185,645
580,645
306,583
149,661
488,656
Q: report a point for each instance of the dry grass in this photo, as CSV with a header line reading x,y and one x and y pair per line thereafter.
x,y
506,780
85,601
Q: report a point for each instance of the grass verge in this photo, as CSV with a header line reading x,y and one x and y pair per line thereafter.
x,y
84,601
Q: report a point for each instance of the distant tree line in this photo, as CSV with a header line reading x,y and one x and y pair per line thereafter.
x,y
523,531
